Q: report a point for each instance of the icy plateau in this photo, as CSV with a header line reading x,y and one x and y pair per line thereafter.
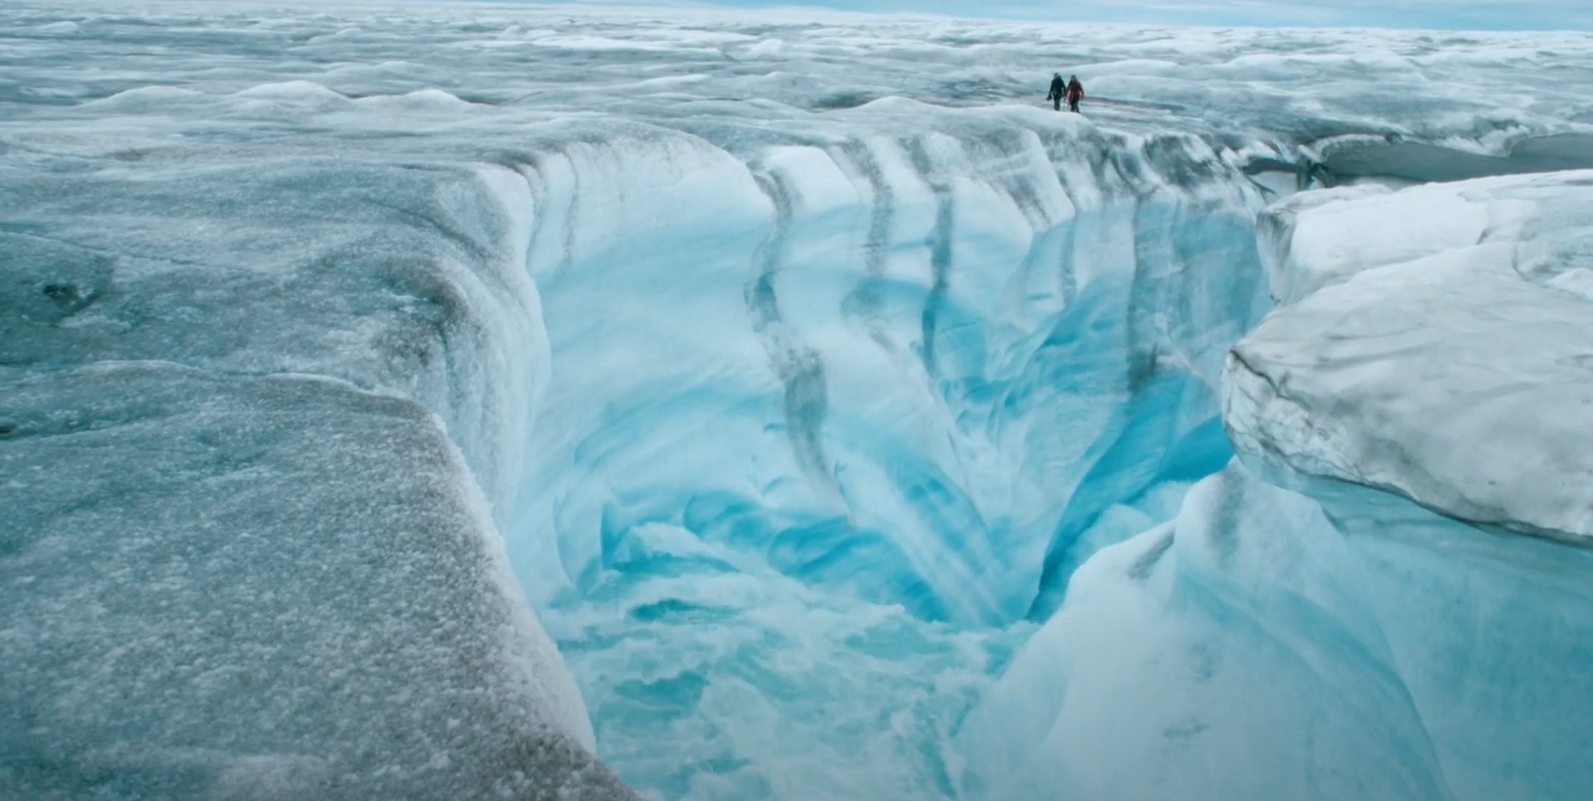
x,y
466,402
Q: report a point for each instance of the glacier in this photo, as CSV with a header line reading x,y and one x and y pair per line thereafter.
x,y
432,401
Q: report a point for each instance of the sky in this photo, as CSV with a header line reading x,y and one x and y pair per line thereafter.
x,y
1435,14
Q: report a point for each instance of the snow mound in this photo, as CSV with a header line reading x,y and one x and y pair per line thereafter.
x,y
63,28
304,93
423,100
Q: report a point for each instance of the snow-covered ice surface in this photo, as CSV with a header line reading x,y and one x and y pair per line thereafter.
x,y
225,587
1485,330
791,365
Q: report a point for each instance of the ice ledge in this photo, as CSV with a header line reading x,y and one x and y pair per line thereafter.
x,y
1461,379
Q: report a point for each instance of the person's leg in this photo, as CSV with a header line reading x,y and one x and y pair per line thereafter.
x,y
1056,102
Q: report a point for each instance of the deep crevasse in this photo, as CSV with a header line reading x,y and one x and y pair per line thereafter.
x,y
828,419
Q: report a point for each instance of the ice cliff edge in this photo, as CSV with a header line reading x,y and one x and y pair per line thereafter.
x,y
248,449
1439,345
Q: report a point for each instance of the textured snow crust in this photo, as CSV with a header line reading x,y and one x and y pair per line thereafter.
x,y
168,638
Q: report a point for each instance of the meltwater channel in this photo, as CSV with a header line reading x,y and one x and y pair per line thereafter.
x,y
830,421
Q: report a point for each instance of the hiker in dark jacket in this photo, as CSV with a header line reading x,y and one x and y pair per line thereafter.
x,y
1056,91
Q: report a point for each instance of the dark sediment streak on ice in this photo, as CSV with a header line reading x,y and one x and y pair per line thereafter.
x,y
1425,163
